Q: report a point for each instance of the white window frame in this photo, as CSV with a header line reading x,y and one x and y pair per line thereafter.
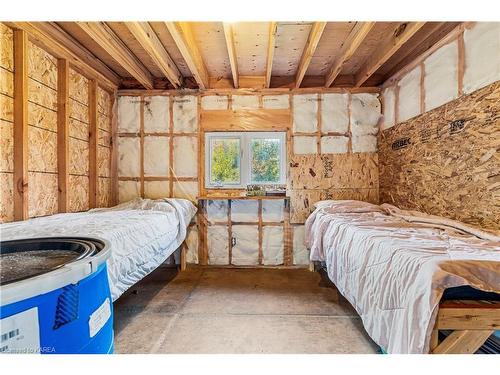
x,y
245,157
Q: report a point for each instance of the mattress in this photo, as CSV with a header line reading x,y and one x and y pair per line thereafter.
x,y
143,233
393,266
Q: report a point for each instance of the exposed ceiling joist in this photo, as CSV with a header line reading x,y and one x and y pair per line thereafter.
x,y
228,33
107,39
183,37
56,41
399,37
270,52
349,47
312,43
148,40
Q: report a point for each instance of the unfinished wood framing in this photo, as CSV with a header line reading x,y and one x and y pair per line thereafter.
x,y
228,33
93,141
270,52
312,43
62,133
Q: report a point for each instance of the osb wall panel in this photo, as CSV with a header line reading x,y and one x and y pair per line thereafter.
x,y
42,197
6,124
42,66
446,162
104,148
104,192
331,176
78,193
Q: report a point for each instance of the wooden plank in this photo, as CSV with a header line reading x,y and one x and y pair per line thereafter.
x,y
148,40
400,36
60,44
461,63
261,119
141,147
184,39
20,125
231,51
463,342
468,318
93,141
114,149
312,43
270,52
108,40
62,133
349,47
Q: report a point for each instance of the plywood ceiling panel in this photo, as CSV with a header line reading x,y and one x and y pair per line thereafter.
x,y
380,32
166,39
291,38
133,45
251,41
209,37
329,46
74,30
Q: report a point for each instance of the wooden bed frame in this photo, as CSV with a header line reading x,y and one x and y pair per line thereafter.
x,y
472,322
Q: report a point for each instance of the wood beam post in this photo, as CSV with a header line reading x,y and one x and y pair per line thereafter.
x,y
148,40
20,125
109,41
114,149
312,42
229,36
388,48
93,140
270,52
349,47
184,39
62,133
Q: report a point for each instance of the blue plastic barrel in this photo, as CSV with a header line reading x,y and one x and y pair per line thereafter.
x,y
66,310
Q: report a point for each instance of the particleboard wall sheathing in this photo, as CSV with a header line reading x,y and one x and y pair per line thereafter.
x,y
55,176
442,156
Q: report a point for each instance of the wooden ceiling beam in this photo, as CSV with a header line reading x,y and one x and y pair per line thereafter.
x,y
109,41
60,44
231,51
312,43
150,42
184,39
349,47
388,48
270,52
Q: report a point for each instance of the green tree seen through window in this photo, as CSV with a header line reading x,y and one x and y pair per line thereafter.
x,y
265,160
225,166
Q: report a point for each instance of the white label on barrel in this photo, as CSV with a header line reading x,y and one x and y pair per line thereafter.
x,y
99,317
20,333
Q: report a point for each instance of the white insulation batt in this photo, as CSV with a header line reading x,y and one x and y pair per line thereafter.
x,y
213,102
186,189
129,109
300,252
304,145
365,114
185,114
305,113
276,101
364,143
186,156
156,114
192,245
129,160
334,144
273,211
218,244
156,156
128,190
335,113
217,210
482,55
142,234
245,251
394,265
245,102
389,107
244,211
409,95
156,189
441,76
272,245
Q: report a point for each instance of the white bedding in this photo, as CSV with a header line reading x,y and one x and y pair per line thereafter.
x,y
143,233
393,265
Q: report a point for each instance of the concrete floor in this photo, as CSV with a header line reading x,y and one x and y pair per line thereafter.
x,y
217,310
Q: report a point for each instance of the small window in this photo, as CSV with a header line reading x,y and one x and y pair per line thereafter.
x,y
235,160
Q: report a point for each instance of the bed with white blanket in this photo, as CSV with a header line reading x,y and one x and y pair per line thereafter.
x,y
393,265
143,233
